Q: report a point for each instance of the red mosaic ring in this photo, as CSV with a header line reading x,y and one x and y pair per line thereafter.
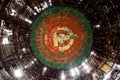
x,y
61,37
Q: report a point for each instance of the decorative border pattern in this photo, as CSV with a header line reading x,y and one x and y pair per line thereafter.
x,y
44,25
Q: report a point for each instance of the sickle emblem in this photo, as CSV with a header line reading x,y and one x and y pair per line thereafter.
x,y
63,38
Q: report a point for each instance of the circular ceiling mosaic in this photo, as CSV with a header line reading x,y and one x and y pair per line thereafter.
x,y
61,37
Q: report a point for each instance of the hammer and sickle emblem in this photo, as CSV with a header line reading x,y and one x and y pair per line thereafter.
x,y
62,38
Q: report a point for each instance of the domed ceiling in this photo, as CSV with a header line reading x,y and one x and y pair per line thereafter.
x,y
59,40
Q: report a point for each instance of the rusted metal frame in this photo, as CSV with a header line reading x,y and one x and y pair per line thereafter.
x,y
5,65
5,3
16,20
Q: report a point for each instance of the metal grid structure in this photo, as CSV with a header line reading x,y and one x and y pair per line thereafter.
x,y
16,18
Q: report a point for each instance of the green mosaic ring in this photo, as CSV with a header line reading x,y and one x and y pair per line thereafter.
x,y
61,37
